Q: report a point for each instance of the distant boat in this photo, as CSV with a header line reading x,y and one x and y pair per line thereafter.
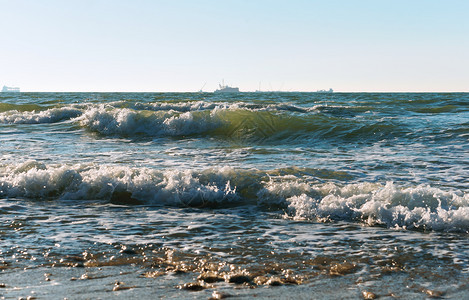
x,y
259,90
268,91
226,89
201,89
7,89
324,91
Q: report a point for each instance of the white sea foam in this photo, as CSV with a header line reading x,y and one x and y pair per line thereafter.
x,y
177,106
418,207
89,182
124,121
192,106
52,115
421,207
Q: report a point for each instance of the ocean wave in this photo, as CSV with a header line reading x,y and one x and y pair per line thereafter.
x,y
192,106
421,207
437,109
299,193
185,106
33,180
52,115
127,122
19,107
234,123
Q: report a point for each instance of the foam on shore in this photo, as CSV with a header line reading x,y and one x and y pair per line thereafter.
x,y
417,207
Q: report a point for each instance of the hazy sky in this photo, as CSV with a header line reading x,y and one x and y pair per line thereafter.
x,y
178,45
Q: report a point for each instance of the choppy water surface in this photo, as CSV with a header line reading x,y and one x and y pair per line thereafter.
x,y
211,195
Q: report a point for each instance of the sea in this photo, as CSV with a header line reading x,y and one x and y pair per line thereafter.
x,y
246,195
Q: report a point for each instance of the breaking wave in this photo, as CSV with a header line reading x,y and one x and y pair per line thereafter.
x,y
421,207
52,115
233,123
238,121
128,122
300,196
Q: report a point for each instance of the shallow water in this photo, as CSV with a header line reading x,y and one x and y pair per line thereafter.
x,y
250,194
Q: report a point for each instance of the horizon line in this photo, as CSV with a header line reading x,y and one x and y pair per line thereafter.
x,y
211,92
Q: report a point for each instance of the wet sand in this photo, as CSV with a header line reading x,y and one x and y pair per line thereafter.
x,y
147,272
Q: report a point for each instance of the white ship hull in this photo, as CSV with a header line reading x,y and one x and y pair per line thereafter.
x,y
7,89
227,89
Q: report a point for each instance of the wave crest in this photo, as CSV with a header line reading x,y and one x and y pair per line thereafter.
x,y
127,122
301,197
230,121
52,115
421,207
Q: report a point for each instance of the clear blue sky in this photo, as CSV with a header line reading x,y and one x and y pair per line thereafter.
x,y
178,45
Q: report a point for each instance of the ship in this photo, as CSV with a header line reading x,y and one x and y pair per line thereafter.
x,y
325,91
7,89
226,89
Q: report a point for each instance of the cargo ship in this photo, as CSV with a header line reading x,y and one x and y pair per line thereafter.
x,y
7,89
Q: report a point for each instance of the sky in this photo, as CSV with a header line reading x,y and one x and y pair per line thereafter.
x,y
182,45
